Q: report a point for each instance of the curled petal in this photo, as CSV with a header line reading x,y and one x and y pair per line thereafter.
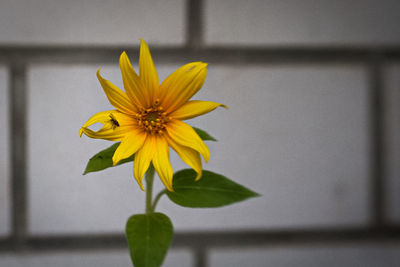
x,y
123,119
107,133
115,125
161,163
133,85
184,135
131,143
195,108
143,158
148,72
109,116
100,117
181,85
190,156
116,96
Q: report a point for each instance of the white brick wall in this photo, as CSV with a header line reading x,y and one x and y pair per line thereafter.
x,y
96,202
288,134
288,22
289,131
298,134
93,22
61,199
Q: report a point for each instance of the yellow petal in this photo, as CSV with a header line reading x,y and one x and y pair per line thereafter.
x,y
107,134
184,135
133,85
132,142
181,85
194,108
123,119
189,156
105,117
143,158
110,130
148,72
116,96
100,117
161,162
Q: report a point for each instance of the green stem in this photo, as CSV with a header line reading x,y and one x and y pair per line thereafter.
x,y
149,188
157,198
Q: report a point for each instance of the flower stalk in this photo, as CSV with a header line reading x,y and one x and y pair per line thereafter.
x,y
157,198
149,188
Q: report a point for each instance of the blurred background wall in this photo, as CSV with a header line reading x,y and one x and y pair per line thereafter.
x,y
313,89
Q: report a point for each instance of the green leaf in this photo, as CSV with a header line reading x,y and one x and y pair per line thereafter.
x,y
103,160
149,236
204,135
212,190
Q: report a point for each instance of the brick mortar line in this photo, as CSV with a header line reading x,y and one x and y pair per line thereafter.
x,y
199,241
194,24
377,153
223,55
17,100
200,257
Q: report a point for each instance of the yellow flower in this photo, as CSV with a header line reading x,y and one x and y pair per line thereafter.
x,y
148,116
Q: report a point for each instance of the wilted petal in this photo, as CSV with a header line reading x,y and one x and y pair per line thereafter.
x,y
110,130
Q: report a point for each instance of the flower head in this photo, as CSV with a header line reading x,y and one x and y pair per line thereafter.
x,y
148,116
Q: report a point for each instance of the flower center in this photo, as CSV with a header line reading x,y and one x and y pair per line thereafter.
x,y
153,120
152,116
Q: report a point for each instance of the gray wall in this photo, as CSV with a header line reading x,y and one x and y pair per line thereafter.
x,y
313,126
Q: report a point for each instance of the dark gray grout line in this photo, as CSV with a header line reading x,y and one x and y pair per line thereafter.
x,y
377,115
194,42
200,242
200,257
17,100
181,54
194,24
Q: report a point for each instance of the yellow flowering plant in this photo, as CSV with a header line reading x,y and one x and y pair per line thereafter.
x,y
146,122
